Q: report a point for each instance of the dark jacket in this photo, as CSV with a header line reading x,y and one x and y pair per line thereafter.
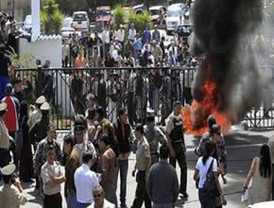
x,y
123,140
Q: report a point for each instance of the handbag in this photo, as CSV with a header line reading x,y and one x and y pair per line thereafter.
x,y
210,187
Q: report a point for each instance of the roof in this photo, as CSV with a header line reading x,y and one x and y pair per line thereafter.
x,y
176,5
103,8
80,12
49,37
156,7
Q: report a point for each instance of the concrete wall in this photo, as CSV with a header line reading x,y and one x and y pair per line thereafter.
x,y
45,48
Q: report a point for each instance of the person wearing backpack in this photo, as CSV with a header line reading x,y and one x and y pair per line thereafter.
x,y
206,172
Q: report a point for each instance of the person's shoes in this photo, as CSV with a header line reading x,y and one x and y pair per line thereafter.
x,y
184,196
123,206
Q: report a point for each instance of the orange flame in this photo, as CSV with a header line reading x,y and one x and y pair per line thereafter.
x,y
195,116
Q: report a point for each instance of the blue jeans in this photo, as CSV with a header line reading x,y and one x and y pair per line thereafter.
x,y
207,201
4,80
123,169
71,199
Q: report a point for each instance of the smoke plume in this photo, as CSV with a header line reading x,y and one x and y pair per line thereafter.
x,y
224,33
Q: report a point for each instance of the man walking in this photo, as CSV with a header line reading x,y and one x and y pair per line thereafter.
x,y
162,182
176,142
154,137
143,161
108,161
85,181
123,133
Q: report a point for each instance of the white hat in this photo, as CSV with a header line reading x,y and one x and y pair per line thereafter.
x,y
8,169
45,106
40,100
3,106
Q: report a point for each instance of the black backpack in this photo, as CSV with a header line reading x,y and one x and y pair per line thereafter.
x,y
210,186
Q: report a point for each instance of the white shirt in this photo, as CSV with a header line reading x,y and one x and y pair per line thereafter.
x,y
204,168
120,34
131,34
53,170
115,55
105,37
106,204
85,181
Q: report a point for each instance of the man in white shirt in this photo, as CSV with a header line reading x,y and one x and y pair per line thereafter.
x,y
106,39
52,176
99,201
120,35
85,181
132,33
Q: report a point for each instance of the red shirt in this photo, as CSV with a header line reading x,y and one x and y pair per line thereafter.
x,y
11,119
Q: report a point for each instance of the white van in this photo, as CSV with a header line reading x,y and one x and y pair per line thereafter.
x,y
175,16
80,21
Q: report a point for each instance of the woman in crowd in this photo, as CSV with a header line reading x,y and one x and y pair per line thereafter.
x,y
260,174
26,164
204,165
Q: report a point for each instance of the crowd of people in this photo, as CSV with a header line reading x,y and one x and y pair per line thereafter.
x,y
95,152
97,148
122,48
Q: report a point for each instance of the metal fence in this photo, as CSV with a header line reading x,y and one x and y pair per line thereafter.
x,y
135,88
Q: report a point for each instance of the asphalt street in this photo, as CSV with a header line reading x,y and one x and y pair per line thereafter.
x,y
241,148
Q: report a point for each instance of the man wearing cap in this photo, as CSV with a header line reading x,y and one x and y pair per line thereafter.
x,y
176,143
37,114
99,199
154,136
4,137
40,154
11,119
38,130
12,194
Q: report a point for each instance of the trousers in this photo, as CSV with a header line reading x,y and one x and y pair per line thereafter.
x,y
54,200
141,192
181,158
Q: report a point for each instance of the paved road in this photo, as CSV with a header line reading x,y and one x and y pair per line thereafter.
x,y
241,147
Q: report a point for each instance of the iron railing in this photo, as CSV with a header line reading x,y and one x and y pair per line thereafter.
x,y
135,88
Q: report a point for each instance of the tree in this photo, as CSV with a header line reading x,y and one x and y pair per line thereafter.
x,y
119,16
51,17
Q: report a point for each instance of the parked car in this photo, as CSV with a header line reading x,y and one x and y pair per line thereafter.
x,y
68,22
184,30
80,21
158,14
103,17
139,9
66,31
27,24
269,204
174,16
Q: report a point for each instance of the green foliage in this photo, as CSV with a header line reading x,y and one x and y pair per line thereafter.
x,y
51,17
141,21
24,61
119,16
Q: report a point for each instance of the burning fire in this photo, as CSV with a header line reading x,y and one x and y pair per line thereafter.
x,y
195,116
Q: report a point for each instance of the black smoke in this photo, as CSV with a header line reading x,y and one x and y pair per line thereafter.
x,y
224,31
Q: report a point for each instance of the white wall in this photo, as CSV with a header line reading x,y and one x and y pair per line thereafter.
x,y
45,48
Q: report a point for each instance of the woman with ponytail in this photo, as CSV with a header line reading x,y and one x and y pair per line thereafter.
x,y
206,164
260,189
